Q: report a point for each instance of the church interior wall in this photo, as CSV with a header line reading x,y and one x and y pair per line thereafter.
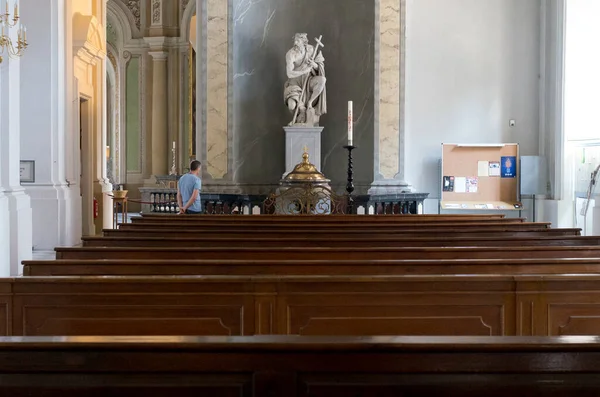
x,y
471,67
262,34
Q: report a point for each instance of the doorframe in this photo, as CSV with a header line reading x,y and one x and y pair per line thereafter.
x,y
86,157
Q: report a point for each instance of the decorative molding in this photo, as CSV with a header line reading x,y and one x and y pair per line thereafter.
x,y
111,34
156,12
184,4
89,42
134,7
158,55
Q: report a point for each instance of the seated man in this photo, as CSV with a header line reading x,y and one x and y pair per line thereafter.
x,y
188,191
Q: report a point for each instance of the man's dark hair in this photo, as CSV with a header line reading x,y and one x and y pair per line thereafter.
x,y
195,165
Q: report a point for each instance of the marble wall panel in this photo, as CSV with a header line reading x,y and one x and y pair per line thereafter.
x,y
389,87
217,55
262,34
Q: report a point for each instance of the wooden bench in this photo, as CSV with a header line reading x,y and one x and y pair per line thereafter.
x,y
216,227
187,240
302,305
334,218
329,253
349,232
337,219
147,267
296,367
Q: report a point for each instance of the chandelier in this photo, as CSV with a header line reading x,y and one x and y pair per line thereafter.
x,y
6,44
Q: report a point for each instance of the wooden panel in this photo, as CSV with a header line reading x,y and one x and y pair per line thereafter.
x,y
127,307
395,308
132,320
129,385
284,366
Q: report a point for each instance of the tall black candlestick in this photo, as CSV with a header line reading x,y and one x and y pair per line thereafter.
x,y
350,184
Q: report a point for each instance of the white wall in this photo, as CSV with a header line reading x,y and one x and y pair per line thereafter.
x,y
471,66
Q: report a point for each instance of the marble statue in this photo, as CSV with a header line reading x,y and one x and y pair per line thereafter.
x,y
305,93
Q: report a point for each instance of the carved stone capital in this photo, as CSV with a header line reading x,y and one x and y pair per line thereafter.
x,y
158,55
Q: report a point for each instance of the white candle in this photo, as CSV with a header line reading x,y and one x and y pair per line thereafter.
x,y
173,144
350,123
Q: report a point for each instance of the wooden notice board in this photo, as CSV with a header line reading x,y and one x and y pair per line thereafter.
x,y
480,177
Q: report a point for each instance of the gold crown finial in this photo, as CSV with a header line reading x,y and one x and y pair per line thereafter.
x,y
305,155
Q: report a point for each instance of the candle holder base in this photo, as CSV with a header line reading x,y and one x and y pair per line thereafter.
x,y
350,184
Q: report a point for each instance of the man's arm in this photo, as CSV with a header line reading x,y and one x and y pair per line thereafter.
x,y
179,199
180,202
191,201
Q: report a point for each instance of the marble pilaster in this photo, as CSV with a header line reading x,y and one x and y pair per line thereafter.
x,y
54,202
217,56
159,113
389,101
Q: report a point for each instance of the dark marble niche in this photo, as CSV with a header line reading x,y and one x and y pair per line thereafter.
x,y
262,34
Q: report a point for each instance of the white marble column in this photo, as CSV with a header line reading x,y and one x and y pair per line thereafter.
x,y
4,212
19,205
159,113
43,93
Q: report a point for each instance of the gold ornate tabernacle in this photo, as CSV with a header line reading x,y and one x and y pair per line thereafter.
x,y
306,172
305,191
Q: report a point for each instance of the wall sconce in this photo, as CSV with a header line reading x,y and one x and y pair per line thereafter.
x,y
6,44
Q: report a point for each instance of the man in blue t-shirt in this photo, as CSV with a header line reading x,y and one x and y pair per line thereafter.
x,y
188,191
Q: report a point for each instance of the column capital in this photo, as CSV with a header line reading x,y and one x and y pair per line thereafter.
x,y
158,55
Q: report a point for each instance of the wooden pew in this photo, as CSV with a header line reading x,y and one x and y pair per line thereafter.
x,y
301,305
295,367
329,253
168,267
348,232
217,227
338,219
185,240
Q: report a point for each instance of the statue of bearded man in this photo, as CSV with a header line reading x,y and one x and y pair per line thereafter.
x,y
305,93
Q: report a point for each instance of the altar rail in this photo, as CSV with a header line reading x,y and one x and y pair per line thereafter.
x,y
165,201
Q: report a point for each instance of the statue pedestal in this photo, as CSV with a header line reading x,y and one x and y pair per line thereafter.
x,y
296,138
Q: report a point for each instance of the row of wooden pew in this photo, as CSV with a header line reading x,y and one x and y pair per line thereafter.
x,y
326,286
311,275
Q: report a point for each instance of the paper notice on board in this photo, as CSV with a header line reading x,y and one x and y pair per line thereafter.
x,y
460,184
483,168
472,183
494,168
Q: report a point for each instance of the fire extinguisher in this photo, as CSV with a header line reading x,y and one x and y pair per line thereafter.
x,y
95,208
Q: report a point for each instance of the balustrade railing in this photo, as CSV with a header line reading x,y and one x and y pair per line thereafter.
x,y
165,202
